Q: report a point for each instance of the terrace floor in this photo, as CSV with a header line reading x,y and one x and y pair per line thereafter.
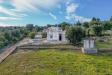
x,y
56,62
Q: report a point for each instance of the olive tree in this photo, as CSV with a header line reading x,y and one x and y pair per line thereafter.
x,y
98,30
75,34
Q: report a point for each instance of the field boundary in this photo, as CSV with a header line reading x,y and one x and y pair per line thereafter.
x,y
7,52
54,46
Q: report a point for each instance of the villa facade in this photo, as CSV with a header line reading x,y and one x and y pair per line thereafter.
x,y
56,34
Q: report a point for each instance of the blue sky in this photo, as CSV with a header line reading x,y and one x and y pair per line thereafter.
x,y
43,12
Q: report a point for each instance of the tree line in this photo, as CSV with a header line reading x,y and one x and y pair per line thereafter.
x,y
11,35
97,28
74,32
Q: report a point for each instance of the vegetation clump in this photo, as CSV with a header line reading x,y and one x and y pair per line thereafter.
x,y
75,34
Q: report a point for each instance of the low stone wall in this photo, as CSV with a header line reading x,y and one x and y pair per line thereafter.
x,y
105,50
56,46
6,53
30,48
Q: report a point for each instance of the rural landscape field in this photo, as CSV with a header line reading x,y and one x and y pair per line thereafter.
x,y
55,37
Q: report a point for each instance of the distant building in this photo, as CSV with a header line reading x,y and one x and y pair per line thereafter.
x,y
56,34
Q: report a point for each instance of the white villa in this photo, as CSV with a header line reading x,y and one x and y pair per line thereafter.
x,y
56,34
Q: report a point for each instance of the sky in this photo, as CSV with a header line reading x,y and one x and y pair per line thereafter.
x,y
43,12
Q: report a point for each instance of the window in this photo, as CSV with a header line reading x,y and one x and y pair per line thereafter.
x,y
51,36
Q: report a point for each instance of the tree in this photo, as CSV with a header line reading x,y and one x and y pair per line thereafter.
x,y
38,28
49,25
75,34
30,27
44,35
32,35
3,41
78,23
86,24
98,30
7,35
64,25
16,33
24,31
10,35
107,25
95,21
111,18
88,32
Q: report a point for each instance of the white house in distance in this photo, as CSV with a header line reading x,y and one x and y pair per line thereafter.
x,y
56,34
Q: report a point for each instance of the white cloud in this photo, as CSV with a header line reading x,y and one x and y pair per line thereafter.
x,y
21,7
68,2
81,19
71,13
7,11
71,8
23,4
68,17
34,4
6,25
53,16
77,18
8,18
11,12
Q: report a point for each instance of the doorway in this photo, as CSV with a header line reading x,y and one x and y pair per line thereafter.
x,y
60,37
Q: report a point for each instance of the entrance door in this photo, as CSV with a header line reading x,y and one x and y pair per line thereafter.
x,y
60,37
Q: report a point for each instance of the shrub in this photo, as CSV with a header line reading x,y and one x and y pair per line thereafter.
x,y
32,35
75,34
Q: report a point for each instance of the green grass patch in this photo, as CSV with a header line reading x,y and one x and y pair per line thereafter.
x,y
56,62
107,44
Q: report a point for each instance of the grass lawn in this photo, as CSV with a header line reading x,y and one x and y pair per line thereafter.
x,y
56,62
107,44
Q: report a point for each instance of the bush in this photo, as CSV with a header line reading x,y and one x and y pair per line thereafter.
x,y
98,30
32,35
75,34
